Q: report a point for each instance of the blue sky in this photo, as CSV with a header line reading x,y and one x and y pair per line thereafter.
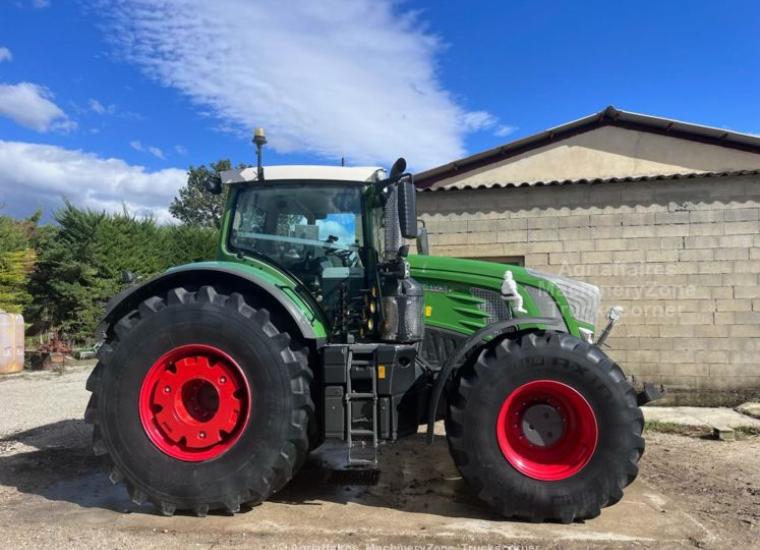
x,y
108,102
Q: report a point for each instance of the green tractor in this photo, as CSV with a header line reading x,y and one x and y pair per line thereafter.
x,y
216,379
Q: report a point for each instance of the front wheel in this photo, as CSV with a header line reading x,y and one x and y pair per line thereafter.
x,y
545,427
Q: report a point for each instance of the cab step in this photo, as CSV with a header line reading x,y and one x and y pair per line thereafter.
x,y
369,445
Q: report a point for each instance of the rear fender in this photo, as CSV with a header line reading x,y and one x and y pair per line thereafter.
x,y
306,321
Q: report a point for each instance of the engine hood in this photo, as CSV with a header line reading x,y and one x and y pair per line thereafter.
x,y
576,302
488,274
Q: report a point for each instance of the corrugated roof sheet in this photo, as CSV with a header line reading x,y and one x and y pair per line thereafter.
x,y
658,177
608,116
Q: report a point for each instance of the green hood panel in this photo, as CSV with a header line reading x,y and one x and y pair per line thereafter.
x,y
450,302
483,274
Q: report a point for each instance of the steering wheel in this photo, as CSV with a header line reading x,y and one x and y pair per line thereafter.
x,y
344,254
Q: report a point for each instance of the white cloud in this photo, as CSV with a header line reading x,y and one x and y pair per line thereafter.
x,y
137,145
477,121
35,175
31,106
504,130
5,54
39,4
98,108
352,78
180,150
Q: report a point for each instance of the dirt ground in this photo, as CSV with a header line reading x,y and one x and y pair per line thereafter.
x,y
691,493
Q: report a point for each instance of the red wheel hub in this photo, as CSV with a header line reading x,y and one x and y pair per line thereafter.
x,y
547,430
194,402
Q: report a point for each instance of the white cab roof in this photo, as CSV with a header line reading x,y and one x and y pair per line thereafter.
x,y
306,172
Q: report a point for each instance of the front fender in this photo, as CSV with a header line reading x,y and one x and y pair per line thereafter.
x,y
473,342
307,317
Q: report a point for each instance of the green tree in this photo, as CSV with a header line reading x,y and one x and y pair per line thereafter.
x,y
17,258
81,259
193,205
65,285
186,243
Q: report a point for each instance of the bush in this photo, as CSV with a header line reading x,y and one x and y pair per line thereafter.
x,y
17,257
80,263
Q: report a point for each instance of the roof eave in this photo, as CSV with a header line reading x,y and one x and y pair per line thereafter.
x,y
608,116
625,179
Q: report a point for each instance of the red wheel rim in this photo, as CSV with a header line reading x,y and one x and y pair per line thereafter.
x,y
547,430
194,402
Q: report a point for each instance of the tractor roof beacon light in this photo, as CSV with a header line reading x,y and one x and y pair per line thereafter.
x,y
259,139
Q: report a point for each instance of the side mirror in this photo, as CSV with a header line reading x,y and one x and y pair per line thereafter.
x,y
407,208
423,246
398,168
213,184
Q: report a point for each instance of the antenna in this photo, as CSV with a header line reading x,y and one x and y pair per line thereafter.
x,y
259,138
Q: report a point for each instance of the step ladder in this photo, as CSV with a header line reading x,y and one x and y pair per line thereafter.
x,y
367,438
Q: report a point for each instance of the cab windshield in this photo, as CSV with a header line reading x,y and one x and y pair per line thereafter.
x,y
305,228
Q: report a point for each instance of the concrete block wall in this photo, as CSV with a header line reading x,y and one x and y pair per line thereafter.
x,y
681,256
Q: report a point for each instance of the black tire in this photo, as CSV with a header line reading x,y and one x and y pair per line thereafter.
x,y
270,448
471,427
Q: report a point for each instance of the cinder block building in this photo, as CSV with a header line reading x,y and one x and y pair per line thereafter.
x,y
664,216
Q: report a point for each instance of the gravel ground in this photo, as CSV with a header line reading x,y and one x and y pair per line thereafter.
x,y
691,493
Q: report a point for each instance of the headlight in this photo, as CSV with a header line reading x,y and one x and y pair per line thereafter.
x,y
544,302
582,298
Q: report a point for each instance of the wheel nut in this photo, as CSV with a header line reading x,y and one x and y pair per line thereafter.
x,y
167,389
222,379
202,435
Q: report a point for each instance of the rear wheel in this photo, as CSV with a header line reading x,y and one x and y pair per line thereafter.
x,y
545,427
200,401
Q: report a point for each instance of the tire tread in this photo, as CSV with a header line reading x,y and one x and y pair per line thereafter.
x,y
295,356
465,390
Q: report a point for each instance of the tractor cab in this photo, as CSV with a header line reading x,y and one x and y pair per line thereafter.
x,y
337,232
